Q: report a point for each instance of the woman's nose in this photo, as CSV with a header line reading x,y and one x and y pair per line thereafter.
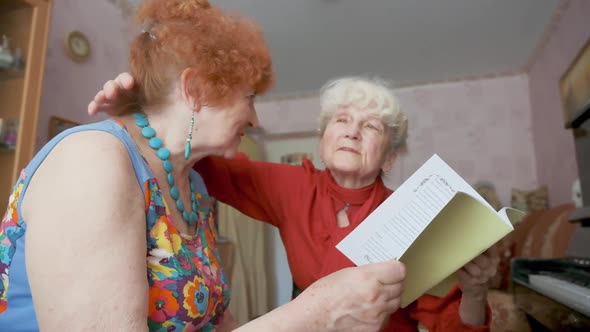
x,y
352,131
254,118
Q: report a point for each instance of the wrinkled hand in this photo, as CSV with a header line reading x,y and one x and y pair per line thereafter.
x,y
474,277
114,95
356,299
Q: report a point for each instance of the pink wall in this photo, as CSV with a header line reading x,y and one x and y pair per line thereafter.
x,y
554,146
69,86
481,128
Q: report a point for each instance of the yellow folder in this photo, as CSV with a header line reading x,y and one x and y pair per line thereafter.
x,y
462,230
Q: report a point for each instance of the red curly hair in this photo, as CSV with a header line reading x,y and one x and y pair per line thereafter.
x,y
227,51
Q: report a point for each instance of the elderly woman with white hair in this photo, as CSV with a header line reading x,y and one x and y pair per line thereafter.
x,y
362,132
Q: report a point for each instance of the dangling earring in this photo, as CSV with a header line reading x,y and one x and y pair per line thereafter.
x,y
189,138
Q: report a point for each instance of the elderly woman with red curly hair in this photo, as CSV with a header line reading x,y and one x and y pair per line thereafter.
x,y
109,228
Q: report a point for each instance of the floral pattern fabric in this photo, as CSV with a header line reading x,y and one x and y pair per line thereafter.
x,y
187,286
11,229
188,290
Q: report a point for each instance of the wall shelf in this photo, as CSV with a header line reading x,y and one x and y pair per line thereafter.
x,y
11,73
9,5
6,150
26,24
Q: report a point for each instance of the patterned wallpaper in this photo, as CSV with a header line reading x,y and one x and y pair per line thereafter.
x,y
482,128
68,86
488,129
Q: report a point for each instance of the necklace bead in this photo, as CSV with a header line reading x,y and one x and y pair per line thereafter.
x,y
148,132
142,122
168,166
163,154
174,192
155,143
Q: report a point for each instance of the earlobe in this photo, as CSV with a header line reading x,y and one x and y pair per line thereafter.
x,y
389,162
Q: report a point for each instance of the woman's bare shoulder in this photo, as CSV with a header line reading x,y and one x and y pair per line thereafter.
x,y
88,167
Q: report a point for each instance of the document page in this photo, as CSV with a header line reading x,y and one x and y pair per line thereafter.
x,y
390,230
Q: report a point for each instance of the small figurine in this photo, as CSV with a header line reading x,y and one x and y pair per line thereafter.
x,y
6,57
11,133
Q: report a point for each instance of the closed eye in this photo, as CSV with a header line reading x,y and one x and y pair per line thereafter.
x,y
372,126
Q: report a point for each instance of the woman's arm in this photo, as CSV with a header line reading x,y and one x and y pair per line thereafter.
x,y
372,293
228,323
261,190
443,314
85,239
465,308
474,278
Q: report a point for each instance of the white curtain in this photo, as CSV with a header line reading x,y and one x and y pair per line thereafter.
x,y
250,293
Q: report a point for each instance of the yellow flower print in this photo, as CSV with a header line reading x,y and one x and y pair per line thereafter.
x,y
160,233
176,243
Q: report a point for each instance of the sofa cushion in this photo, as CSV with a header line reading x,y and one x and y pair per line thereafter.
x,y
545,233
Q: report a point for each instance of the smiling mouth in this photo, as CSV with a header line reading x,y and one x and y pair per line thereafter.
x,y
348,150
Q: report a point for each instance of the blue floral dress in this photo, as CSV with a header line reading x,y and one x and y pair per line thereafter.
x,y
188,290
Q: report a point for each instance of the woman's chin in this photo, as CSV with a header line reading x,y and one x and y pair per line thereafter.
x,y
230,149
346,165
345,169
229,153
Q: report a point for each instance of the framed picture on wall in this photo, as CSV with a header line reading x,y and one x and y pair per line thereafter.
x,y
574,87
296,158
57,125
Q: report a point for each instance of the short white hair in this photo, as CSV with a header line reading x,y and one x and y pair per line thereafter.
x,y
370,94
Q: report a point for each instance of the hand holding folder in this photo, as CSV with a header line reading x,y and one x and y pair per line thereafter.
x,y
434,223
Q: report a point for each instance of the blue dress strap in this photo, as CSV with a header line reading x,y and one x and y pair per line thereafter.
x,y
142,170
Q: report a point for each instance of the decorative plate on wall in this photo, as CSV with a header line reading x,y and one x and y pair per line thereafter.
x,y
78,46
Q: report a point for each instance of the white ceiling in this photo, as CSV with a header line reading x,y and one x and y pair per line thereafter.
x,y
406,41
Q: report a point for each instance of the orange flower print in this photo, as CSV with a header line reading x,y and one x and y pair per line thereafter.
x,y
209,237
215,301
196,298
162,305
3,306
212,225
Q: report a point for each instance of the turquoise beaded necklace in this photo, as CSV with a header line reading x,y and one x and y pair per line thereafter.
x,y
164,155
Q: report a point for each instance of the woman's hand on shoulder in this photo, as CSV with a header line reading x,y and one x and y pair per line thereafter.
x,y
85,240
113,97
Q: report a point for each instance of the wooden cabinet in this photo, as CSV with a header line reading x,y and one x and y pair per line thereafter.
x,y
26,24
